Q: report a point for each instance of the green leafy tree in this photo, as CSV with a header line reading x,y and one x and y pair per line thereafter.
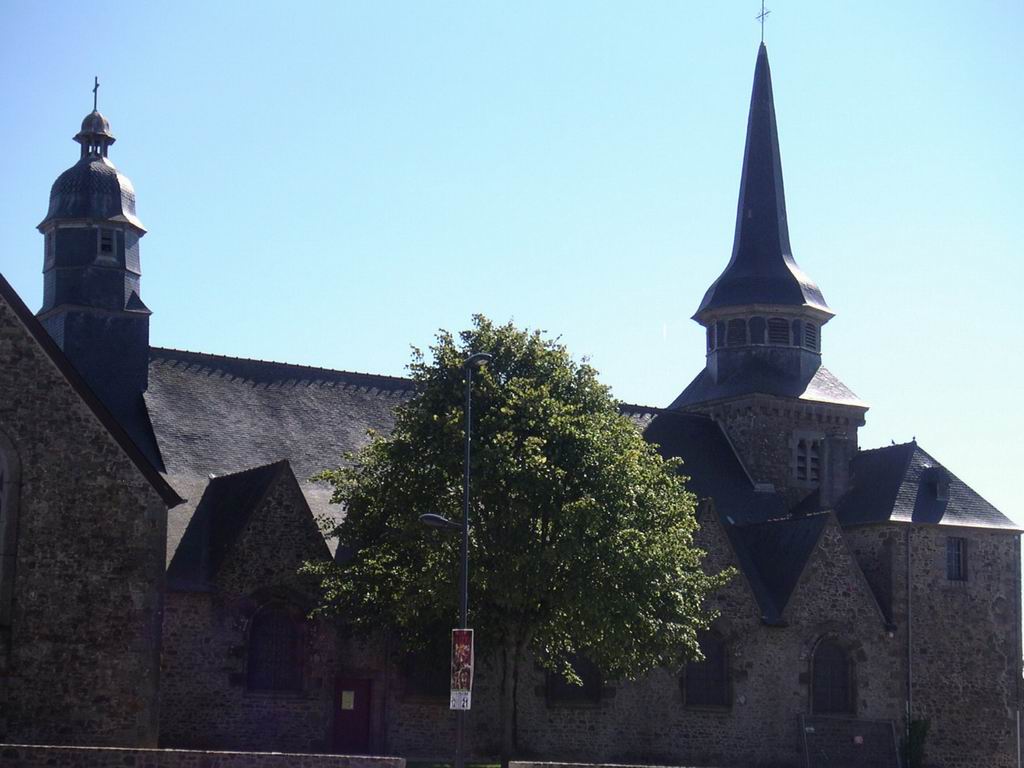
x,y
581,533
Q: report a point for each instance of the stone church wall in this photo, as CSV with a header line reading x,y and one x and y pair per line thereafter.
x,y
966,641
764,431
648,721
965,636
81,666
206,699
206,703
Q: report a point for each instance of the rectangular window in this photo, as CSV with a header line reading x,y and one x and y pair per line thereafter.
x,y
811,337
106,241
778,331
956,559
808,459
814,468
51,249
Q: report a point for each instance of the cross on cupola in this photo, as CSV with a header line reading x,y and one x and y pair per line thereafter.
x,y
95,136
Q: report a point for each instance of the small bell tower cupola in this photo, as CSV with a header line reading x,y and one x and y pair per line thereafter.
x,y
95,136
92,298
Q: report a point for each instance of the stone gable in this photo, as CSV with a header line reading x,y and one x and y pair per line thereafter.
x,y
82,649
278,538
207,701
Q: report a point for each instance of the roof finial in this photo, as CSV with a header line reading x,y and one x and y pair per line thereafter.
x,y
96,87
760,17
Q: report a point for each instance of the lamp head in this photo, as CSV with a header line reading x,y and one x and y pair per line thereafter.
x,y
476,360
439,521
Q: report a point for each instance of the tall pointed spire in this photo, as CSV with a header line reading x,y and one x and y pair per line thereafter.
x,y
762,270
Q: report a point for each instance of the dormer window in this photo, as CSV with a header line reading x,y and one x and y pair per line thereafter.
x,y
937,482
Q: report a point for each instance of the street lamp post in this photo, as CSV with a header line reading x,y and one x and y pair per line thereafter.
x,y
437,521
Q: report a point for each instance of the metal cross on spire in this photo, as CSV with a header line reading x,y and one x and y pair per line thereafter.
x,y
95,89
760,17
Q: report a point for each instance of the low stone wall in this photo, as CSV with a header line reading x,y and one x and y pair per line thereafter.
x,y
31,756
531,764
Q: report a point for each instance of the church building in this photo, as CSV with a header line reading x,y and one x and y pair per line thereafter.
x,y
156,506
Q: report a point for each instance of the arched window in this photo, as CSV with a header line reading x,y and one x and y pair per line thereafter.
x,y
10,481
831,684
558,690
711,337
275,654
427,670
797,332
706,683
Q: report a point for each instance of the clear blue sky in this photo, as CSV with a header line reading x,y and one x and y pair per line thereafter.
x,y
328,183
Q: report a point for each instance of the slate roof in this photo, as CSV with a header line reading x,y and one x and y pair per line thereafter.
x,y
222,513
762,269
773,554
897,483
756,376
68,371
771,548
93,188
220,415
713,469
241,419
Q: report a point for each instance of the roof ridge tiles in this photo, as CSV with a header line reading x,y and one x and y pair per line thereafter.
x,y
211,356
276,465
863,451
639,410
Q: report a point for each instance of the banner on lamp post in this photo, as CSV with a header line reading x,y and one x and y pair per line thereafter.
x,y
462,668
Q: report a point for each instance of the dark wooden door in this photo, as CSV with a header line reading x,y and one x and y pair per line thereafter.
x,y
352,716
